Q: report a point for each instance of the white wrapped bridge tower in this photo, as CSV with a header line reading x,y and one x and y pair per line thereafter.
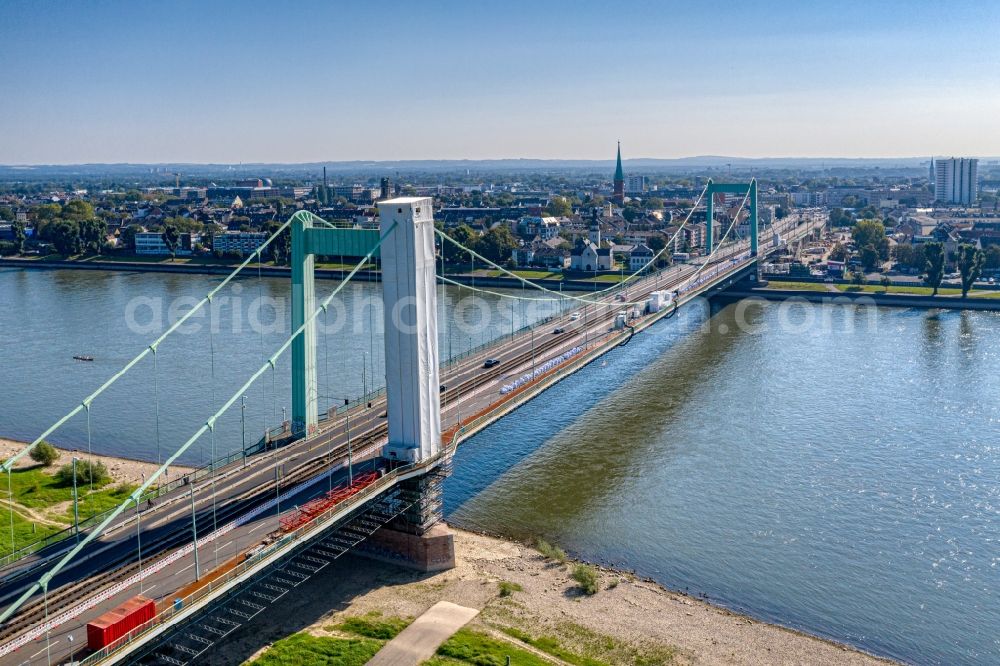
x,y
409,295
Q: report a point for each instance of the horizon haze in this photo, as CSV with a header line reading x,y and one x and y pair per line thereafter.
x,y
115,82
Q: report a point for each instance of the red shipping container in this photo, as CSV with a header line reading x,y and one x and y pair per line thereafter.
x,y
117,622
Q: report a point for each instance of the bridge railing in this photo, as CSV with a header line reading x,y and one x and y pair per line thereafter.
x,y
95,519
246,567
261,445
296,537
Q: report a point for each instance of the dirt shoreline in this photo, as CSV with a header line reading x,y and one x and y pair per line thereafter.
x,y
630,620
122,470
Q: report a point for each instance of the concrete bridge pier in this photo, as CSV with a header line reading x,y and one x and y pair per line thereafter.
x,y
418,538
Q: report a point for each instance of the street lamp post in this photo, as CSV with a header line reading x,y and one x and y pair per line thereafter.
x,y
243,427
138,539
277,486
76,508
364,375
194,534
532,329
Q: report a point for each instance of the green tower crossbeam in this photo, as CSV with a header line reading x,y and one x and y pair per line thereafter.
x,y
307,242
730,188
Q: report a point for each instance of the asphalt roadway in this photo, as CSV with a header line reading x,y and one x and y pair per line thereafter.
x,y
238,489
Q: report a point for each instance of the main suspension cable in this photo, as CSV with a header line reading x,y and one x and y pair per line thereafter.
x,y
561,295
209,424
10,462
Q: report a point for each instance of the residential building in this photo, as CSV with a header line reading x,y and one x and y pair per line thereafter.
x,y
238,241
807,198
151,242
552,257
539,253
639,257
956,180
635,185
544,227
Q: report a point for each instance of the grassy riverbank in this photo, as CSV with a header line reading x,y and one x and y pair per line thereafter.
x,y
43,504
532,609
914,290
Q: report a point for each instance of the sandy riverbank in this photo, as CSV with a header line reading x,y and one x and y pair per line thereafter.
x,y
122,470
626,622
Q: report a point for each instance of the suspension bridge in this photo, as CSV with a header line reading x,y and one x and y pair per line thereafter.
x,y
219,545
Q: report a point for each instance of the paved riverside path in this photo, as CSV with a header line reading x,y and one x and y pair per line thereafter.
x,y
419,641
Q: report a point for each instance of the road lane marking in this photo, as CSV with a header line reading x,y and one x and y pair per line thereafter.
x,y
43,649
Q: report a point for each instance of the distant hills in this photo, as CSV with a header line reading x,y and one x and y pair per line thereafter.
x,y
707,162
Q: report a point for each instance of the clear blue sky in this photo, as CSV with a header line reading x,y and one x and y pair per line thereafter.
x,y
136,81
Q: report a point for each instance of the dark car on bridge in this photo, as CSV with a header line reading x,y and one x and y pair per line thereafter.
x,y
491,362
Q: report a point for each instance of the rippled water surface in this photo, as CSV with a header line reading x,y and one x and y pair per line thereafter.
x,y
48,317
834,470
839,476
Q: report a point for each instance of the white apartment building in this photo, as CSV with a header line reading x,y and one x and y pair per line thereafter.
x,y
956,180
238,241
635,184
151,242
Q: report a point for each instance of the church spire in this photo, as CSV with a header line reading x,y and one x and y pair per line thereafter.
x,y
619,192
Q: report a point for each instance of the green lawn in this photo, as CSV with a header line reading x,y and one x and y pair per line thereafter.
x,y
25,531
37,488
368,634
472,647
893,289
798,286
101,500
300,649
616,277
373,625
591,648
145,259
550,645
344,267
915,290
528,274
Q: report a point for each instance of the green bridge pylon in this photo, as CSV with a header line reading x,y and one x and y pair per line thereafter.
x,y
409,299
307,242
730,188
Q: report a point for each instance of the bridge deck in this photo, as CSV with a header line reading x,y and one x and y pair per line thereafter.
x,y
248,505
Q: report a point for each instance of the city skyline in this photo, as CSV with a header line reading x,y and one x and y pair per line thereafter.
x,y
223,84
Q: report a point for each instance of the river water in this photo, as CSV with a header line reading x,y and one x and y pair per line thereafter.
x,y
830,468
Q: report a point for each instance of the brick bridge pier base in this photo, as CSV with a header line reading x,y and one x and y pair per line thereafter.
x,y
418,538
